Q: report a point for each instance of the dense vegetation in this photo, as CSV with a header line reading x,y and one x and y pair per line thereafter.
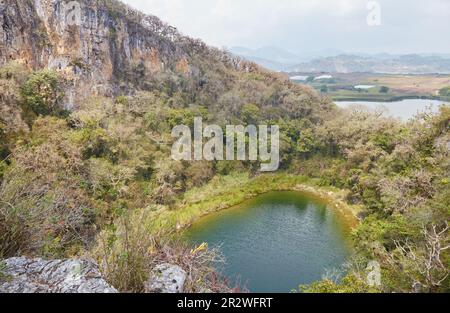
x,y
98,180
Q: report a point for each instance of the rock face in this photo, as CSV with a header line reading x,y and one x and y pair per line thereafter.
x,y
22,275
166,278
103,47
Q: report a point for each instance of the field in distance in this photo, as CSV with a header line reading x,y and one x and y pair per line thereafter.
x,y
376,87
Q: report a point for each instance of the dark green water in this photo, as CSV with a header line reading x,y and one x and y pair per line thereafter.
x,y
276,241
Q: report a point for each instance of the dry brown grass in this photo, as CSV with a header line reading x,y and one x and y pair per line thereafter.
x,y
43,208
415,84
127,252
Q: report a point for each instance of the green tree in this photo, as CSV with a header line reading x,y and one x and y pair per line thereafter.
x,y
306,142
250,113
445,92
42,93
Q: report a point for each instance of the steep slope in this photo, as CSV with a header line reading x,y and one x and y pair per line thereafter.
x,y
96,43
92,89
99,179
104,47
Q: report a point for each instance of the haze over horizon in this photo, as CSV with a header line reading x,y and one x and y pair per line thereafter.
x,y
307,27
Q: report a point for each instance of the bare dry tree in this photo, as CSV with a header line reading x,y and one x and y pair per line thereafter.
x,y
427,263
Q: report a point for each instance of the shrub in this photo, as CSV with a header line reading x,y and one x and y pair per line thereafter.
x,y
445,92
14,70
180,117
350,284
42,93
127,252
199,173
250,114
44,210
12,124
170,181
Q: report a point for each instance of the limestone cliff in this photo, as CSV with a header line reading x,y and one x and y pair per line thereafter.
x,y
102,46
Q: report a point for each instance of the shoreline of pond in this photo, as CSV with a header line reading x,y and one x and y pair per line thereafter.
x,y
184,216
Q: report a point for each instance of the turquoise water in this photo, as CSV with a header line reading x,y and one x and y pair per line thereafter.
x,y
276,241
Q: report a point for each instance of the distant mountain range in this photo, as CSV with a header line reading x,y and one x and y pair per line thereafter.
x,y
279,59
335,61
405,64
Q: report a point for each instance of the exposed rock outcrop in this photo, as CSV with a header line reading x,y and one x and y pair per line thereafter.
x,y
102,46
166,278
22,275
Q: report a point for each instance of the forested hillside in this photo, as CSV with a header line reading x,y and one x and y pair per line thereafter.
x,y
85,139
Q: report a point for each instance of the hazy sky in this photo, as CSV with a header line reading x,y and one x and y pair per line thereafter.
x,y
407,26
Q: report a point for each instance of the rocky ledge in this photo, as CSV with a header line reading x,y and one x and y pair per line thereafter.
x,y
23,275
166,278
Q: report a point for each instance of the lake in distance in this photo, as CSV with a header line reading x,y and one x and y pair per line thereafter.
x,y
404,109
276,241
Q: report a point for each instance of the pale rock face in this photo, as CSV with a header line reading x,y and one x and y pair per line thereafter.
x,y
102,47
22,275
166,278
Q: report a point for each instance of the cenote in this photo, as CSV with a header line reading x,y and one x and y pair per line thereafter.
x,y
276,241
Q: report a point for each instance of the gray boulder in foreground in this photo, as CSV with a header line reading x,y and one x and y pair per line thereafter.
x,y
166,278
22,275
